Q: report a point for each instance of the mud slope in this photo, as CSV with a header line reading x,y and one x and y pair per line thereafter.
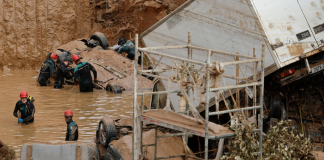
x,y
123,18
29,29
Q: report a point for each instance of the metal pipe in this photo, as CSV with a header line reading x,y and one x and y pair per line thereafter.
x,y
237,86
220,52
171,135
234,110
238,82
241,62
142,109
152,75
173,57
142,59
307,65
174,156
228,135
207,105
261,97
236,78
165,47
135,155
161,92
156,65
254,80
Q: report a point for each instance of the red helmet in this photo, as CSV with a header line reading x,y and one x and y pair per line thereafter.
x,y
68,113
75,57
54,55
23,94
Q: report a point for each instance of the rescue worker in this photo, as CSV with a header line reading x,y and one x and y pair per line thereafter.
x,y
83,75
128,47
63,72
72,128
26,108
47,70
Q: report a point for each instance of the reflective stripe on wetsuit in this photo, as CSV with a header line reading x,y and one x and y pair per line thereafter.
x,y
71,131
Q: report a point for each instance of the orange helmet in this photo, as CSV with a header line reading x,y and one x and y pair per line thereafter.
x,y
23,94
54,55
68,113
75,57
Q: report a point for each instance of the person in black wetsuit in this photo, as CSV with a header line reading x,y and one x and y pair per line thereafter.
x,y
83,75
26,108
72,128
47,70
63,72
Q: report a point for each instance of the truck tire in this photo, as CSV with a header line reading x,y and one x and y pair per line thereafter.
x,y
107,131
107,156
114,88
114,153
101,38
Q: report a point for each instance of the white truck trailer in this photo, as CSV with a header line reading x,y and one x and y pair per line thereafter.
x,y
291,29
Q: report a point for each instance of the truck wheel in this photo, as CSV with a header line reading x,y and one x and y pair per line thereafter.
x,y
101,38
114,88
107,156
107,131
114,153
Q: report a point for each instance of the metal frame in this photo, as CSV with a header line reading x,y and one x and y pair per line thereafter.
x,y
137,139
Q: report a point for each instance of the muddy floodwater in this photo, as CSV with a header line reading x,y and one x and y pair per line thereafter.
x,y
50,105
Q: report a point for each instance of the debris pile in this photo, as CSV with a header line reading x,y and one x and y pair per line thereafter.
x,y
6,153
281,142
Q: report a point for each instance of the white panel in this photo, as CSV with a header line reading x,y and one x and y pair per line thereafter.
x,y
282,20
314,12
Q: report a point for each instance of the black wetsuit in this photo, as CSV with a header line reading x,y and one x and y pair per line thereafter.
x,y
47,70
62,72
26,110
83,75
71,131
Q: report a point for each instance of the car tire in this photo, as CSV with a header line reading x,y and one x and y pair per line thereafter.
x,y
101,38
113,88
107,131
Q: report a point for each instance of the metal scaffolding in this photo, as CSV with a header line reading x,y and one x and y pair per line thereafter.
x,y
139,110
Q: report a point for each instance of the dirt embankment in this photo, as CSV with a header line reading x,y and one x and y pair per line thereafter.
x,y
124,18
30,29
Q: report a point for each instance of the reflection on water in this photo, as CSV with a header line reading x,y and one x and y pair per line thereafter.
x,y
50,105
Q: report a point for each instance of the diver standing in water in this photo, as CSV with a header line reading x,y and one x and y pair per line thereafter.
x,y
26,108
47,70
83,75
72,128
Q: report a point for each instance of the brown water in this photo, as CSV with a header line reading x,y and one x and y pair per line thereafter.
x,y
50,106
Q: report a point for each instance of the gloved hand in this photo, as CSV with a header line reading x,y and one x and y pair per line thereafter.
x,y
95,80
20,120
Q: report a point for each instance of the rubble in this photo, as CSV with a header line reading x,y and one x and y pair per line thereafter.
x,y
6,153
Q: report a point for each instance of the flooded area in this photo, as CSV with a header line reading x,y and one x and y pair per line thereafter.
x,y
50,105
